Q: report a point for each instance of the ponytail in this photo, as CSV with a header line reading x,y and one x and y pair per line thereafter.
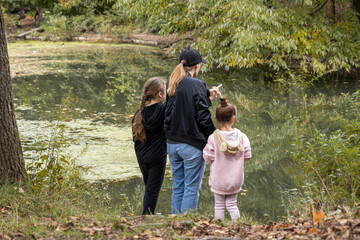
x,y
138,126
177,75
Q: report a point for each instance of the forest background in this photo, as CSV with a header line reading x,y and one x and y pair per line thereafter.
x,y
298,42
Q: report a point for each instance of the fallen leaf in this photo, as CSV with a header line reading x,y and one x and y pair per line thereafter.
x,y
107,230
343,221
219,232
302,232
295,213
204,222
53,224
73,218
18,233
176,225
147,232
4,210
189,234
318,217
313,231
4,237
99,229
61,228
86,229
346,235
47,206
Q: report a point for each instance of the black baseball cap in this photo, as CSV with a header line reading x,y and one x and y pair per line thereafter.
x,y
191,56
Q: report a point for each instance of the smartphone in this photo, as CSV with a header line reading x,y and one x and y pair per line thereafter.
x,y
219,93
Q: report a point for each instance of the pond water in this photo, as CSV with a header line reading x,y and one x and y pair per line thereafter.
x,y
92,90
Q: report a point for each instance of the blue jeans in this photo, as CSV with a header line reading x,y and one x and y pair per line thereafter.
x,y
188,168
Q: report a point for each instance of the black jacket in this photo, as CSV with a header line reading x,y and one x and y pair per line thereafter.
x,y
187,115
154,147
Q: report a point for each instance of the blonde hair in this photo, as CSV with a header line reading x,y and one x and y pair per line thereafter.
x,y
177,76
151,88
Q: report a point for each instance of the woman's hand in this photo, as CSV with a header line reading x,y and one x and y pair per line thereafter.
x,y
214,91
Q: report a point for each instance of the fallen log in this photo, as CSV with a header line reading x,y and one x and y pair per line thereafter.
x,y
24,34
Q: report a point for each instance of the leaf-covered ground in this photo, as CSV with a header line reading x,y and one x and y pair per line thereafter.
x,y
186,227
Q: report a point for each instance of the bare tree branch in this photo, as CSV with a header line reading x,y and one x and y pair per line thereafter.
x,y
315,11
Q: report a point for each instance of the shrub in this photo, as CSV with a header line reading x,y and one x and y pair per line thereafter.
x,y
330,162
11,22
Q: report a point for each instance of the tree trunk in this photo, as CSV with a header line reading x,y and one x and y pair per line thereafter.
x,y
334,10
12,167
38,16
356,6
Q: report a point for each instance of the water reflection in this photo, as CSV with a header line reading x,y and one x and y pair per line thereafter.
x,y
96,79
94,89
260,198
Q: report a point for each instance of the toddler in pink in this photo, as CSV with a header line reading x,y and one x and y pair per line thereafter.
x,y
226,150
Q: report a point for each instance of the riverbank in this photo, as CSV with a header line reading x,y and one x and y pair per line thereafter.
x,y
27,214
81,215
106,216
131,36
135,38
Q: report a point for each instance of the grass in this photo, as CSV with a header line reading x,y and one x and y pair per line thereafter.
x,y
36,212
30,213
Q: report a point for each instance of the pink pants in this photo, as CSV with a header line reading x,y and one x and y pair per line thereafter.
x,y
226,201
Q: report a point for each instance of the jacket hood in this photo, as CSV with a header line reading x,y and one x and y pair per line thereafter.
x,y
156,120
224,144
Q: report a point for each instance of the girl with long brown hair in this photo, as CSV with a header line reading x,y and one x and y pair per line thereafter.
x,y
149,139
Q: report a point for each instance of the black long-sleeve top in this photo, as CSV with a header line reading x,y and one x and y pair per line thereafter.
x,y
187,115
154,147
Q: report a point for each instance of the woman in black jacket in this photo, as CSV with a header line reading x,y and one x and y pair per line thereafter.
x,y
187,126
149,139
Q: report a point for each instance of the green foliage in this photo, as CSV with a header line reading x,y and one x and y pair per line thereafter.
x,y
289,37
59,26
330,161
295,39
52,169
11,5
66,26
10,22
285,37
82,7
123,85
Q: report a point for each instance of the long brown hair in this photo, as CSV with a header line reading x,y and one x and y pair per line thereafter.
x,y
177,75
151,89
225,111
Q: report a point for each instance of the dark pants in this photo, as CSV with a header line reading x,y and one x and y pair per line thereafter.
x,y
153,175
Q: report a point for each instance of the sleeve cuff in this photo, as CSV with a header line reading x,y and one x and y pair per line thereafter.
x,y
208,92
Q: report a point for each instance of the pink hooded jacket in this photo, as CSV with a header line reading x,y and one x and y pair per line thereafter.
x,y
226,172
